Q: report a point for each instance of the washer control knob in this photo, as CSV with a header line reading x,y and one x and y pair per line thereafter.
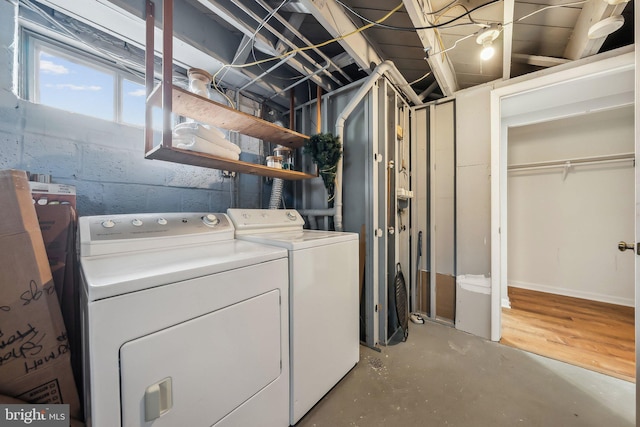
x,y
210,220
108,223
136,222
162,221
291,216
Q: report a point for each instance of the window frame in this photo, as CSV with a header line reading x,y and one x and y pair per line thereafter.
x,y
33,42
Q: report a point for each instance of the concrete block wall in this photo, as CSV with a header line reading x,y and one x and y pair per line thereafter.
x,y
105,160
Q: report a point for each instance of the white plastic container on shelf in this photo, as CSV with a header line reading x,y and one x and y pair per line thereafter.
x,y
199,81
473,304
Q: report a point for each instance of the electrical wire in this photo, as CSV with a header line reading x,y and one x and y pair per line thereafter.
x,y
354,12
255,59
442,8
370,23
454,44
240,49
465,8
577,3
427,27
439,36
553,6
302,49
255,33
419,79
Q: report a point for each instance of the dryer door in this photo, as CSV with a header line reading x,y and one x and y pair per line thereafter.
x,y
196,372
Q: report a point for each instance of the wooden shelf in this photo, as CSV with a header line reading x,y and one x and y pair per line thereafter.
x,y
205,110
177,155
173,99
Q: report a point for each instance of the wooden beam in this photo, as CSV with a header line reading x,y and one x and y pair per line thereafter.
x,y
507,38
539,61
333,18
580,46
442,70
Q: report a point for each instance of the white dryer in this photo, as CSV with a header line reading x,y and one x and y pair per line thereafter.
x,y
323,298
182,324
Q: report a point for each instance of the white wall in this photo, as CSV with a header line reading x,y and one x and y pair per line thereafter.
x,y
473,185
563,232
443,189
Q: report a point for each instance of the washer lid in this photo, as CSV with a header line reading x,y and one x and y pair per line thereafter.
x,y
106,276
299,239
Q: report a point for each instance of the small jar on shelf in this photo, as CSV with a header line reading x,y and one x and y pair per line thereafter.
x,y
199,81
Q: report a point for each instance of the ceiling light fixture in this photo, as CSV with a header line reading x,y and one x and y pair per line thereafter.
x,y
616,2
486,38
605,27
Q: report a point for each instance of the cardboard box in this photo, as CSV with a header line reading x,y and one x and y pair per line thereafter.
x,y
53,194
35,361
58,224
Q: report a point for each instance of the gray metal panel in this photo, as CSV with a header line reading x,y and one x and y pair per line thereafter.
x,y
358,185
473,183
444,187
367,132
420,188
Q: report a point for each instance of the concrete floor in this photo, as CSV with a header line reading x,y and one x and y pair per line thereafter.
x,y
444,377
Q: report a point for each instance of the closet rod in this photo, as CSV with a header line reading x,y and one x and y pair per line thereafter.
x,y
573,162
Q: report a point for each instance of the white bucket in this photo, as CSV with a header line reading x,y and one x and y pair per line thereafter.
x,y
475,283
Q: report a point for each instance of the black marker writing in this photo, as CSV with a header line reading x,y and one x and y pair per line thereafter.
x,y
34,293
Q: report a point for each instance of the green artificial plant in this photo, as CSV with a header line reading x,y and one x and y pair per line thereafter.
x,y
325,150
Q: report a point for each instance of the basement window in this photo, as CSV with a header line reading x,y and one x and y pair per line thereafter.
x,y
67,78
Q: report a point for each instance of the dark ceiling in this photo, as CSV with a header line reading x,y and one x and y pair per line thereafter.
x,y
269,48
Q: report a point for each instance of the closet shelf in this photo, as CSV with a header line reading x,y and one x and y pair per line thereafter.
x,y
187,157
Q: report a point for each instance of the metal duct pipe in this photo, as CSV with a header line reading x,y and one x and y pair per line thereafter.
x,y
379,71
276,193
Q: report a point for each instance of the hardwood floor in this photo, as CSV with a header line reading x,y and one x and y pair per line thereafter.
x,y
590,334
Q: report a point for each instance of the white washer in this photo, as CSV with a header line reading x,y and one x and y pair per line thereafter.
x,y
323,298
182,324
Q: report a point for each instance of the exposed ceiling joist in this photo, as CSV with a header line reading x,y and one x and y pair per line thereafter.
x,y
539,61
441,69
507,38
208,33
260,42
293,26
298,65
294,23
332,17
580,45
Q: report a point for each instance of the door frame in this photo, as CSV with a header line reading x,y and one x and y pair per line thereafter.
x,y
525,101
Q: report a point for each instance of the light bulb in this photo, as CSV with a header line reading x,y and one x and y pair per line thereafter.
x,y
487,51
